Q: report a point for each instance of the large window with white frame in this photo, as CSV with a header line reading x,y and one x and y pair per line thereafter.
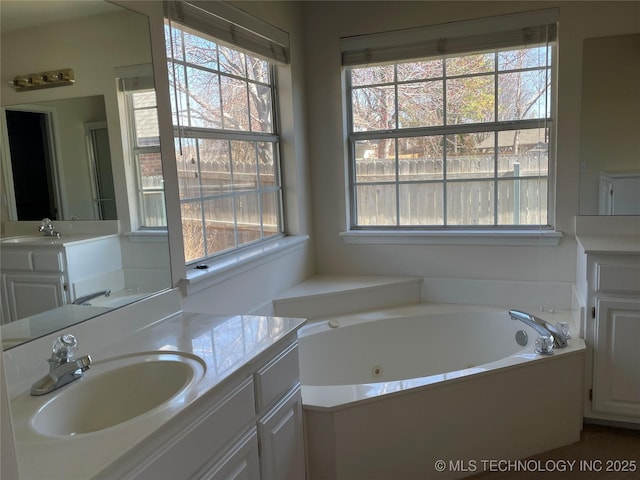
x,y
227,143
452,137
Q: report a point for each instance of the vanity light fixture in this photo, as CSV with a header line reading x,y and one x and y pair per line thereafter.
x,y
34,81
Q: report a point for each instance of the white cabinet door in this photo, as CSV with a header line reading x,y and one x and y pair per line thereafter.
x,y
240,463
281,440
616,374
29,294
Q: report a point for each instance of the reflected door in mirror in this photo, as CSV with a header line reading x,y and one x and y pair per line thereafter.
x,y
32,168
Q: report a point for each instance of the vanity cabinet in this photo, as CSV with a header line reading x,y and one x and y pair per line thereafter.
x,y
42,274
32,281
250,428
612,330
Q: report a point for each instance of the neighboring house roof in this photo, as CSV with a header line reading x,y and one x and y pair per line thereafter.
x,y
530,137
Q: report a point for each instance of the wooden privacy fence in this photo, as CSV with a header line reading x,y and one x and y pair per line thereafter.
x,y
514,198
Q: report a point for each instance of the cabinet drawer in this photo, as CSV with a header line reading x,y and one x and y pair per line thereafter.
x,y
276,377
19,261
206,438
618,278
47,261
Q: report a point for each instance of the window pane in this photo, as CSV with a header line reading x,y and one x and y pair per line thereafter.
x,y
470,203
470,100
248,217
419,70
420,158
374,108
375,161
270,213
376,204
187,165
244,166
522,202
152,186
267,165
261,109
200,51
421,204
258,70
177,94
220,225
469,64
143,98
146,127
372,75
470,155
215,167
204,99
232,61
173,38
235,107
192,233
524,58
523,95
523,153
420,104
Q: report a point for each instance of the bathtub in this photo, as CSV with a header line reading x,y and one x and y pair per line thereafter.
x,y
434,391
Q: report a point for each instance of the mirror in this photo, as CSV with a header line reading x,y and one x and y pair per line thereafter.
x,y
610,145
102,187
59,160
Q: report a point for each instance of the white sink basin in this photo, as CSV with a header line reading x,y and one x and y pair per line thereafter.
x,y
27,239
115,391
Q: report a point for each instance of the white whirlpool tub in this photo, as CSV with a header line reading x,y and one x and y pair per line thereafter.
x,y
434,391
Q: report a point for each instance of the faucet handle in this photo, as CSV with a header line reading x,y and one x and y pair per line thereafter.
x,y
64,348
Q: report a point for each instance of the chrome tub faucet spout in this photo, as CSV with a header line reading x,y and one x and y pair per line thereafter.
x,y
63,368
91,296
550,335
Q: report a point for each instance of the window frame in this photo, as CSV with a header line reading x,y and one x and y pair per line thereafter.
x,y
135,152
197,134
367,233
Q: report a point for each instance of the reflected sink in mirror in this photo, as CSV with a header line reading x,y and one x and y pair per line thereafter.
x,y
115,391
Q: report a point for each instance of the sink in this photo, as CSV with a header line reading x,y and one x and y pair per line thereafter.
x,y
28,239
117,390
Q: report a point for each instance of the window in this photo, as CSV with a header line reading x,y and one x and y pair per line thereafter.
x,y
145,149
227,144
456,138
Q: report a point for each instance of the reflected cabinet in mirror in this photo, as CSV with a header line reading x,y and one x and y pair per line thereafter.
x,y
610,130
86,156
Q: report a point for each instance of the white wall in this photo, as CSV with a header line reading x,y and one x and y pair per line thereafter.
x,y
326,22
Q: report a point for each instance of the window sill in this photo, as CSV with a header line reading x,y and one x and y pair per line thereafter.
x,y
537,238
232,264
147,236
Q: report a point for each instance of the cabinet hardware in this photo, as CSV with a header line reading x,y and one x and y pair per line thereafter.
x,y
593,312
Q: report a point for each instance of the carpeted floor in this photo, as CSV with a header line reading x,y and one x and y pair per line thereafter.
x,y
602,453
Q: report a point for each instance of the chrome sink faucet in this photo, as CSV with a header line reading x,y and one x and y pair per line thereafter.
x,y
550,335
63,368
46,227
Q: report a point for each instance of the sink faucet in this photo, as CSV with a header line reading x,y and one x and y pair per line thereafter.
x,y
86,298
544,328
63,368
46,227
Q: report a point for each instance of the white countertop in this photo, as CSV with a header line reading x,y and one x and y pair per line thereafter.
x,y
225,344
610,244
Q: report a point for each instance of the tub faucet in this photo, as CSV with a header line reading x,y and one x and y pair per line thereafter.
x,y
63,368
86,298
544,328
46,227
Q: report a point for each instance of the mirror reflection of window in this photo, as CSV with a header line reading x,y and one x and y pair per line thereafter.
x,y
142,115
